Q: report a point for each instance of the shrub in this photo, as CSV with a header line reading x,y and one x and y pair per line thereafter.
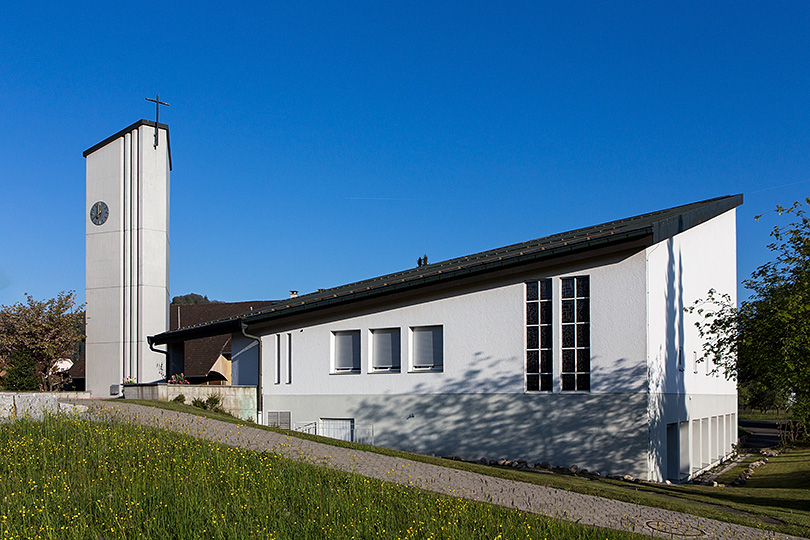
x,y
21,373
180,398
211,404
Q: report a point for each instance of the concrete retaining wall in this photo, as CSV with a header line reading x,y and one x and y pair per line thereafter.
x,y
239,401
37,404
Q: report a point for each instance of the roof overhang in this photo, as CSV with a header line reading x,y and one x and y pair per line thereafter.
x,y
632,233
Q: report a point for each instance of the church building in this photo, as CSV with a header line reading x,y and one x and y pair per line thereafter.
x,y
573,349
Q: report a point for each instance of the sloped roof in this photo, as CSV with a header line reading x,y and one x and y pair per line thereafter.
x,y
652,227
202,353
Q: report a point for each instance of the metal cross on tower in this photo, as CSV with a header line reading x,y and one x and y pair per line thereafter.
x,y
157,103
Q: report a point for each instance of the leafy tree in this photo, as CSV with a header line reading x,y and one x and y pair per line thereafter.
x,y
765,343
21,375
191,298
43,332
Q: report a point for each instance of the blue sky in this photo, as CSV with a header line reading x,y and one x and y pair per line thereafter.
x,y
321,143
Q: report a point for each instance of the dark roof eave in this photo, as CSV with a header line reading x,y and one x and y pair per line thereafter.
x,y
657,228
444,276
235,324
213,329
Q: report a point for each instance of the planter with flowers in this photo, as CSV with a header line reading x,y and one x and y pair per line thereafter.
x,y
178,379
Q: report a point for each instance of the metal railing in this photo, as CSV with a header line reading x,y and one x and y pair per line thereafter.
x,y
351,433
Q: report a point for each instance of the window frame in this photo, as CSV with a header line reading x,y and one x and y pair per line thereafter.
x,y
396,360
538,315
577,374
358,354
413,331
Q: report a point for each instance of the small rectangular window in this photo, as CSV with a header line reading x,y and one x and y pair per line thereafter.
x,y
428,347
280,419
347,351
385,349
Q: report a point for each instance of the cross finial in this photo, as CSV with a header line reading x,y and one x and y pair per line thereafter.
x,y
157,103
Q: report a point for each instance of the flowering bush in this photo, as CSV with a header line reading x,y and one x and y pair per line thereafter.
x,y
178,379
128,380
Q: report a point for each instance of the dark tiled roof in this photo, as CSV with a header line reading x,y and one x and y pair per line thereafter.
x,y
652,227
185,315
77,371
201,354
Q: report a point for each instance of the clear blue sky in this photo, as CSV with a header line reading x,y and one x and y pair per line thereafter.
x,y
316,144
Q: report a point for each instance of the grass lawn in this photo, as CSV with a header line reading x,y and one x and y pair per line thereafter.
x,y
751,505
71,478
767,415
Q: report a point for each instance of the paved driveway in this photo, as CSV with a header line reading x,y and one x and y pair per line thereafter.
x,y
585,509
764,433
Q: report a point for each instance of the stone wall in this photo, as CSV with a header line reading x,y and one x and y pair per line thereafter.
x,y
239,401
37,404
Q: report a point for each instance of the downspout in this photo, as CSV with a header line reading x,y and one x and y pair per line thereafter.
x,y
165,353
259,370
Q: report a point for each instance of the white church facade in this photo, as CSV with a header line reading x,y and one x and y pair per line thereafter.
x,y
573,349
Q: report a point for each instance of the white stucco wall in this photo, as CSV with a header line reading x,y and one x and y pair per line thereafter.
x,y
484,339
477,404
681,270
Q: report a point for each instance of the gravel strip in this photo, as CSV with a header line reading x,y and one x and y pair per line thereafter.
x,y
583,509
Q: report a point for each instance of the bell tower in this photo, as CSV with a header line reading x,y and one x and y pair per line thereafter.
x,y
127,255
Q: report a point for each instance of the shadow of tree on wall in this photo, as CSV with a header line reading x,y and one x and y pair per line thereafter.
x,y
485,413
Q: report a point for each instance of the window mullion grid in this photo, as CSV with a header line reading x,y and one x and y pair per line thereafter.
x,y
538,336
575,327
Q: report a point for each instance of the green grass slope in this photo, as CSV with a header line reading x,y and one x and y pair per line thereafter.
x,y
71,478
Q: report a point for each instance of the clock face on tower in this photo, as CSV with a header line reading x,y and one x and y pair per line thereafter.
x,y
99,213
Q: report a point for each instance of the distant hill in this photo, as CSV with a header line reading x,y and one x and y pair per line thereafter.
x,y
192,298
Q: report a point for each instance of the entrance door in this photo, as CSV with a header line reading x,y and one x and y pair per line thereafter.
x,y
673,453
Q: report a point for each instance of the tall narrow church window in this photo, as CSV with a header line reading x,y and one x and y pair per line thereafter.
x,y
289,359
575,317
539,351
278,359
